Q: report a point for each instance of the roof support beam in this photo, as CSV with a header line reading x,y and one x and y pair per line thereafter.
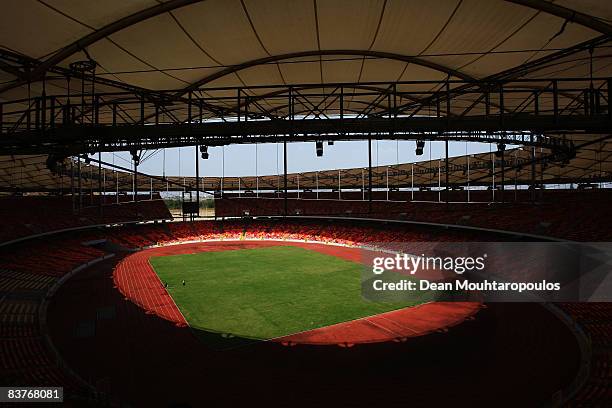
x,y
97,35
488,129
312,53
524,69
13,70
10,61
567,14
533,66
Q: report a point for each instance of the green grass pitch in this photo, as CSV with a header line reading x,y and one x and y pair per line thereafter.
x,y
266,292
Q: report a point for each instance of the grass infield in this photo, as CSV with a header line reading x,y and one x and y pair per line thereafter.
x,y
266,292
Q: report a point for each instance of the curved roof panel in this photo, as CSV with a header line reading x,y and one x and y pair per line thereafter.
x,y
174,44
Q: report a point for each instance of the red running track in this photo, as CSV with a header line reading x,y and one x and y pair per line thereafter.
x,y
138,282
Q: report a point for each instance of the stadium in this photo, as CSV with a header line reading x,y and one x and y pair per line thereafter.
x,y
236,202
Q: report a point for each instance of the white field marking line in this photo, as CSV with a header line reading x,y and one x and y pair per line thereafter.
x,y
168,293
396,324
396,334
374,315
132,278
124,284
346,321
142,303
144,281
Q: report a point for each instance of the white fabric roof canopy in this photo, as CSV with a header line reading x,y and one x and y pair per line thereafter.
x,y
182,44
188,43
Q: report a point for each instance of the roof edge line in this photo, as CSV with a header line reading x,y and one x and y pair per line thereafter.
x,y
574,16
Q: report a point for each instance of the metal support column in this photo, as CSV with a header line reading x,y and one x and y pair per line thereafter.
x,y
134,180
43,103
412,182
197,170
533,171
387,183
72,185
285,148
285,173
446,190
542,168
52,113
536,108
362,185
100,196
80,186
370,174
503,159
468,174
503,175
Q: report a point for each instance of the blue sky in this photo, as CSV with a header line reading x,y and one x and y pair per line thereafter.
x,y
240,159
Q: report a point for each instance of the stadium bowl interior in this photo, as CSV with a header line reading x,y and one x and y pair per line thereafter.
x,y
191,193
